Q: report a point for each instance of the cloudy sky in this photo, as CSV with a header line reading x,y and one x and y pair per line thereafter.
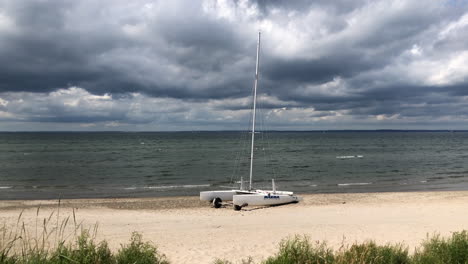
x,y
189,65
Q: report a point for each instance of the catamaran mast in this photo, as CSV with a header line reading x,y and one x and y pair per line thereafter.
x,y
253,112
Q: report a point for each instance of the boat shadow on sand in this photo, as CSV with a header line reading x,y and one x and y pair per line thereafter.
x,y
254,208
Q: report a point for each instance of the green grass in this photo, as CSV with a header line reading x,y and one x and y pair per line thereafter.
x,y
55,241
248,260
370,252
301,250
86,251
439,250
140,252
435,250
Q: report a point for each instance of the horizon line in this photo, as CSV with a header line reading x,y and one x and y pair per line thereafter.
x,y
232,130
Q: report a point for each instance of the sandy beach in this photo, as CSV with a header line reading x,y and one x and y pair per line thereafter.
x,y
189,231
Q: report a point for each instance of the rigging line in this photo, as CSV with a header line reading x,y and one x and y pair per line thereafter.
x,y
244,143
268,153
235,164
262,125
238,156
240,153
266,146
237,159
244,153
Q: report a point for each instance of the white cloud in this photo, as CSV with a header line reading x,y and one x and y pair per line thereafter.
x,y
3,102
453,27
7,24
5,115
416,50
438,71
337,88
229,10
87,125
453,70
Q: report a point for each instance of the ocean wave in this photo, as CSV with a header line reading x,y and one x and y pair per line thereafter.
x,y
226,186
177,186
6,187
354,183
350,157
169,187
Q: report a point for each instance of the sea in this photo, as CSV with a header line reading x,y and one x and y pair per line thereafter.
x,y
59,165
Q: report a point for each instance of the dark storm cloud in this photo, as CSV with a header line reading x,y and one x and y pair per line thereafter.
x,y
43,54
317,70
61,43
366,58
341,6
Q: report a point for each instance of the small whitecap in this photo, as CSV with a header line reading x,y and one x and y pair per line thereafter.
x,y
176,186
354,183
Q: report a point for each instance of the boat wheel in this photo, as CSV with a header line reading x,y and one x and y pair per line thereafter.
x,y
217,202
237,207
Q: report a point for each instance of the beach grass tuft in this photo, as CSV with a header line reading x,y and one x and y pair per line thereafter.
x,y
248,260
370,252
54,241
140,252
434,250
300,250
438,250
86,251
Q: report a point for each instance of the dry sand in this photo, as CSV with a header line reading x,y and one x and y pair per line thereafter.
x,y
189,231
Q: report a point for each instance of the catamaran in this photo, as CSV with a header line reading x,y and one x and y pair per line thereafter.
x,y
250,197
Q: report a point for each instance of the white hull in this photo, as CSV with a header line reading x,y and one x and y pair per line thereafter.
x,y
226,195
265,198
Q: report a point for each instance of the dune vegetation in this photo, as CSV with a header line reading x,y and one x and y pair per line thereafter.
x,y
435,250
56,240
